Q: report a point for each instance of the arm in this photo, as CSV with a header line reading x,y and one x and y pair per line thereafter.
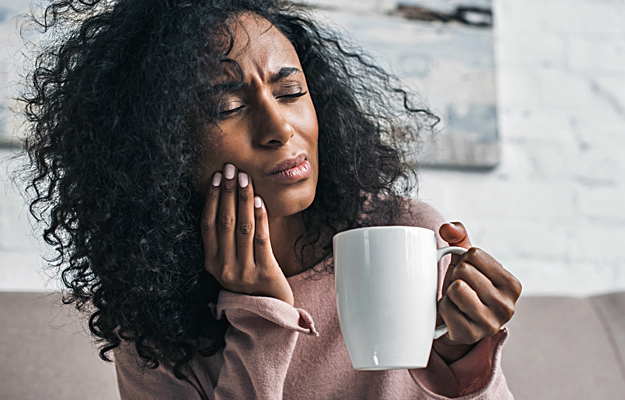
x,y
258,303
253,365
466,362
259,347
258,300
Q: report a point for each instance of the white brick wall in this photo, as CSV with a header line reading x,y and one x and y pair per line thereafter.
x,y
553,211
20,252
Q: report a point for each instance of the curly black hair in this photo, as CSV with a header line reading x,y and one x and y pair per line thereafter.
x,y
115,103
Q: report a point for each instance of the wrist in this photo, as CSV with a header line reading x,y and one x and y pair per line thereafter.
x,y
449,350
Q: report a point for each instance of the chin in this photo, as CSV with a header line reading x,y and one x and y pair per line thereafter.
x,y
285,206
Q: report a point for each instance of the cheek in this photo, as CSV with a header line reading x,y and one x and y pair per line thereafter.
x,y
310,124
226,144
216,153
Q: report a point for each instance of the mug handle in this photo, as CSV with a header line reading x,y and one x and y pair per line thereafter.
x,y
441,330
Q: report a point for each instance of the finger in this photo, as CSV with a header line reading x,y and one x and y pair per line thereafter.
x,y
245,221
501,278
208,220
460,329
455,234
262,243
226,220
476,280
484,322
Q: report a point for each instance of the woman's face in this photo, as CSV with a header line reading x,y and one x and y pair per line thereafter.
x,y
268,128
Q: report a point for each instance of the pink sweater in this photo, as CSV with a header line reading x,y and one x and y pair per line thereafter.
x,y
275,351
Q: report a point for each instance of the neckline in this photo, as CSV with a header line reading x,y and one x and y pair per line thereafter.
x,y
320,267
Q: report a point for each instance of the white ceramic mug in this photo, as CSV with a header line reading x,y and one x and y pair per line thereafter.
x,y
386,285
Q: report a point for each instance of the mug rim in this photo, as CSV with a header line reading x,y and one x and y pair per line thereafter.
x,y
384,227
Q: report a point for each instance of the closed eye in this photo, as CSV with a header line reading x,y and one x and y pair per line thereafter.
x,y
226,113
291,96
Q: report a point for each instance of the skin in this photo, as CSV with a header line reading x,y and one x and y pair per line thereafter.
x,y
273,120
479,296
269,120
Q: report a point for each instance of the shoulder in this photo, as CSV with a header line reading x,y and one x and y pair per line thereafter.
x,y
423,215
408,212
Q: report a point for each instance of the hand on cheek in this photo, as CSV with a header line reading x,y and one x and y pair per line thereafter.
x,y
479,296
235,234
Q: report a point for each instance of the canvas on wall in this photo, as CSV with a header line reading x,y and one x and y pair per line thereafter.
x,y
443,51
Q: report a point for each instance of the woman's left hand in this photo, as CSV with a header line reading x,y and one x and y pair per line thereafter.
x,y
479,296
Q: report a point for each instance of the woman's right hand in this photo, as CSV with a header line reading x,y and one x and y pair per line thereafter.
x,y
237,246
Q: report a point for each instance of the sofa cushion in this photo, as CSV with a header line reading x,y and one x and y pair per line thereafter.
x,y
47,353
566,348
559,348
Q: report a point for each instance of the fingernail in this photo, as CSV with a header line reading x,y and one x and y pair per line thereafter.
x,y
452,224
243,181
229,171
217,179
257,202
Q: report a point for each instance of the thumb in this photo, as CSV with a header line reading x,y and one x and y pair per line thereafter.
x,y
455,234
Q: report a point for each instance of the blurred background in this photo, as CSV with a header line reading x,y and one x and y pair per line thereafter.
x,y
548,198
529,157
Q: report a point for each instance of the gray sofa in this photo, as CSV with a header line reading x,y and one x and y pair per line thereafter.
x,y
559,348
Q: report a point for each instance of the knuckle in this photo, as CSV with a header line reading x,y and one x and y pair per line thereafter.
x,y
245,229
245,194
507,311
456,287
227,276
205,225
462,270
473,253
226,222
261,238
229,187
517,287
492,328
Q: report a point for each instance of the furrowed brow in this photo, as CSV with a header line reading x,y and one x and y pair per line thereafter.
x,y
228,87
284,72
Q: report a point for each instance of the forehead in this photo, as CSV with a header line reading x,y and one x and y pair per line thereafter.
x,y
257,43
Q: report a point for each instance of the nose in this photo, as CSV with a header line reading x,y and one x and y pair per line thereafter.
x,y
273,128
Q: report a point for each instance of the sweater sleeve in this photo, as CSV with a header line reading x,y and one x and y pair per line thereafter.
x,y
259,345
253,365
477,375
138,382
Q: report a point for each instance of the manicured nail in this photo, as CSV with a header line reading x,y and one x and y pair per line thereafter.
x,y
229,171
243,181
257,203
217,179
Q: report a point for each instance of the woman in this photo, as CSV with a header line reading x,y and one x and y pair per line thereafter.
x,y
193,159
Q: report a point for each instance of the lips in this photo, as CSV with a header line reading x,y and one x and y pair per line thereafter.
x,y
286,165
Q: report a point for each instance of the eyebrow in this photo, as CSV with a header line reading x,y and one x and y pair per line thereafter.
x,y
231,86
284,72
